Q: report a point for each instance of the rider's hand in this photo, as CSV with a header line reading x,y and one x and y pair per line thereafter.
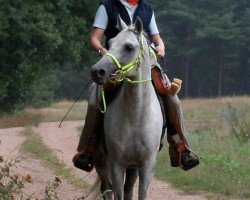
x,y
160,51
103,51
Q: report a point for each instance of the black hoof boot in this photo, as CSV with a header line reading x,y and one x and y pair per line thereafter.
x,y
83,162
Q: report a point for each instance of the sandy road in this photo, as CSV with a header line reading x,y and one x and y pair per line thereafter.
x,y
63,142
11,141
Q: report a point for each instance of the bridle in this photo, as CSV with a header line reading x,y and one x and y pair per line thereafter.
x,y
120,74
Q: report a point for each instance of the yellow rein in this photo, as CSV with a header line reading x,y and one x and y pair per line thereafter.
x,y
123,70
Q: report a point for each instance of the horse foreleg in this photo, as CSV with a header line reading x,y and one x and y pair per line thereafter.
x,y
117,179
146,173
131,176
100,162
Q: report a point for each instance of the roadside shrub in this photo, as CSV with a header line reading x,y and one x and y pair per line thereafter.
x,y
238,121
51,189
12,184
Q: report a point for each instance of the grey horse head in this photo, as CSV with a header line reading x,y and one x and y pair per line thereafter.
x,y
125,47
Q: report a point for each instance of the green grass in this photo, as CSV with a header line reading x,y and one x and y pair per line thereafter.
x,y
34,116
224,167
224,161
36,148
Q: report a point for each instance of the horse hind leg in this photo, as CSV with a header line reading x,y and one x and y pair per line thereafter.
x,y
131,176
106,188
100,162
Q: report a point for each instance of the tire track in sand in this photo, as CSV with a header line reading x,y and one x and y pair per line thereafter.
x,y
64,141
11,141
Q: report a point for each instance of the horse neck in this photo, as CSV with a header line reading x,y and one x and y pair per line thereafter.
x,y
136,95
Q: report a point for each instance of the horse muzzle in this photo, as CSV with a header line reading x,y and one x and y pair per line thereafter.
x,y
102,70
98,76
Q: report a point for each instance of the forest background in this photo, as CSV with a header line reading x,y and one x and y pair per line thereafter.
x,y
45,55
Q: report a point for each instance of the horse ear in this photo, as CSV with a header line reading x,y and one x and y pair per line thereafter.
x,y
120,23
138,25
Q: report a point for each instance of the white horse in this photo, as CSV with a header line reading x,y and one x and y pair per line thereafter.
x,y
133,121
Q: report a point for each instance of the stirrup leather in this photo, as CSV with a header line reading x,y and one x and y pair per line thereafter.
x,y
161,84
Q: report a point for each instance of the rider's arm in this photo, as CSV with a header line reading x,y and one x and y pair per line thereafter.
x,y
155,37
99,26
96,36
159,45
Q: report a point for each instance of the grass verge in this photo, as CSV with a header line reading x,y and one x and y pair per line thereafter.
x,y
34,116
224,166
225,162
36,148
224,159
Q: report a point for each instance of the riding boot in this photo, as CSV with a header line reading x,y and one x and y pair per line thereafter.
x,y
180,154
87,143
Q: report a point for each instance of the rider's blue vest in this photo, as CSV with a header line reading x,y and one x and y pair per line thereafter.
x,y
115,7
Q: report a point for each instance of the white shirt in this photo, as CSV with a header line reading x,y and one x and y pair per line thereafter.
x,y
101,18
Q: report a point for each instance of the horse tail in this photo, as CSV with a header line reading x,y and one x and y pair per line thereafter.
x,y
95,191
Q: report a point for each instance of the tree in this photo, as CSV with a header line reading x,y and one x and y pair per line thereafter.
x,y
207,44
37,38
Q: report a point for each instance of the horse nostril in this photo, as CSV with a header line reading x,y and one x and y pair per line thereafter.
x,y
98,75
101,72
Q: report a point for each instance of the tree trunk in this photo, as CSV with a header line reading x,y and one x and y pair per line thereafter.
x,y
187,63
186,77
220,76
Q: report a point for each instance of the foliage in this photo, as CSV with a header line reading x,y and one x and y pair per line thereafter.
x,y
12,184
51,189
219,151
45,53
36,40
207,44
224,161
223,168
238,122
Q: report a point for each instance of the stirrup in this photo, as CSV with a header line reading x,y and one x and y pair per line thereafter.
x,y
192,155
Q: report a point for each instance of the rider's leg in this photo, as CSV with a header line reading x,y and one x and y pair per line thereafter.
x,y
93,128
179,152
87,143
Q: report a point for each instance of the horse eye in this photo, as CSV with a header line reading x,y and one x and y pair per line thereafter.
x,y
130,47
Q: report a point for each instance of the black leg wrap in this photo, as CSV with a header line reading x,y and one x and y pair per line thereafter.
x,y
84,162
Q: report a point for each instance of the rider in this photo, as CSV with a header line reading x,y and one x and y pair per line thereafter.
x,y
105,24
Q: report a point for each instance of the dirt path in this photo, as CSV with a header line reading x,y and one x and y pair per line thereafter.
x,y
11,141
64,141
